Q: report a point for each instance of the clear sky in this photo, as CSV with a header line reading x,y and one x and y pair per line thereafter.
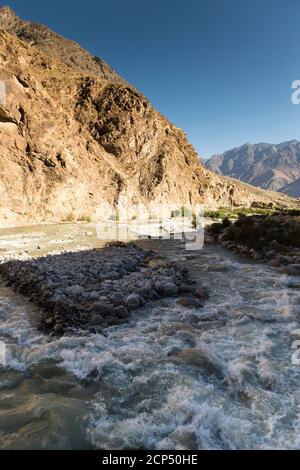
x,y
220,69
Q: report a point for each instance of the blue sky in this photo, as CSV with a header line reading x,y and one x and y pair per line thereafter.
x,y
220,69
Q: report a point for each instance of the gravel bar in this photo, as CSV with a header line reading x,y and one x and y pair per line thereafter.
x,y
94,289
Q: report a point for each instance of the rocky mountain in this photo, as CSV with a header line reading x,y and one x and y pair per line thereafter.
x,y
273,167
292,189
73,134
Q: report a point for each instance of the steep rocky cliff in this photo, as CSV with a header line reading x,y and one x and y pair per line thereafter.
x,y
73,134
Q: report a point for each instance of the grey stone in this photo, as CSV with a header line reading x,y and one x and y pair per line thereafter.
x,y
110,275
165,303
284,259
295,266
96,320
133,301
93,295
121,312
275,263
58,328
271,254
74,290
292,269
201,294
102,308
95,329
222,267
167,289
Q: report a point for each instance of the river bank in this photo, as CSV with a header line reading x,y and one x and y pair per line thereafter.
x,y
273,239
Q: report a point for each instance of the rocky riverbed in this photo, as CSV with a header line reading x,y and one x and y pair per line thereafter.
x,y
94,289
221,376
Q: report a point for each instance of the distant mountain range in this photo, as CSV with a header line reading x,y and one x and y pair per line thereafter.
x,y
268,166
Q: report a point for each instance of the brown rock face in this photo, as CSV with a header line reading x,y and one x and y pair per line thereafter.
x,y
73,134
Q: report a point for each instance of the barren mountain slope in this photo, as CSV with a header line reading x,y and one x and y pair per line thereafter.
x,y
56,46
268,166
72,137
293,189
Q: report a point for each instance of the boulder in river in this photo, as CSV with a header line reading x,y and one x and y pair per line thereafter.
x,y
167,288
102,308
133,301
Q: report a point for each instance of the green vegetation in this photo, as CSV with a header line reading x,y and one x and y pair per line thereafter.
x,y
85,218
235,213
293,212
280,229
217,228
185,212
259,234
194,221
69,218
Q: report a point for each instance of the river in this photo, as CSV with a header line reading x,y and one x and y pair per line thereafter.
x,y
220,377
